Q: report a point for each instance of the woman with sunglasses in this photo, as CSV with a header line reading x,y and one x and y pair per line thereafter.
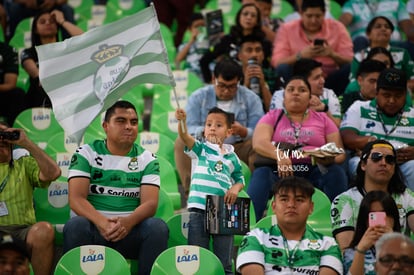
x,y
378,214
378,169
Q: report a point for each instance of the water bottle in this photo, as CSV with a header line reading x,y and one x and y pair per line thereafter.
x,y
254,82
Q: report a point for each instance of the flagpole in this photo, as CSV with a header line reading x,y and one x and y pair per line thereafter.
x,y
169,69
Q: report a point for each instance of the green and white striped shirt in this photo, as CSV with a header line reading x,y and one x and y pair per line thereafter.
x,y
212,173
268,247
115,181
363,117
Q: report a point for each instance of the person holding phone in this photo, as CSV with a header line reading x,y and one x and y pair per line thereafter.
x,y
316,37
378,214
378,170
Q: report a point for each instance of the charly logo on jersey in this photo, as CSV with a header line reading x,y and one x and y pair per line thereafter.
x,y
92,258
133,164
314,244
373,114
114,66
58,194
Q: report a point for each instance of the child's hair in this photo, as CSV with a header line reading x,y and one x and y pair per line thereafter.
x,y
195,16
229,116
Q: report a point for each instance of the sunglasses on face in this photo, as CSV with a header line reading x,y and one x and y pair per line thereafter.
x,y
377,157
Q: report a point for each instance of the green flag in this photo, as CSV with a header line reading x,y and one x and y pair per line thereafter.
x,y
86,74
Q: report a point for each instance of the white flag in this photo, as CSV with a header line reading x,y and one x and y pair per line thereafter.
x,y
86,74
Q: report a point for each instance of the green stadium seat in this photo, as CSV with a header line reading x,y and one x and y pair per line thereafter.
x,y
335,9
165,208
135,97
169,181
82,9
246,173
166,100
187,259
164,123
178,226
158,144
266,222
23,79
61,143
168,38
39,124
51,205
281,8
116,9
92,259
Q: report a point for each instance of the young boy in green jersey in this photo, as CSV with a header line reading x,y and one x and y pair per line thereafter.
x,y
290,246
216,170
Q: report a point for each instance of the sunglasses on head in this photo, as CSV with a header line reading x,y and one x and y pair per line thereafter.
x,y
376,157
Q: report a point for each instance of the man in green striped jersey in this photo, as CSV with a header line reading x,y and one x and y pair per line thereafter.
x,y
19,175
113,192
386,117
290,246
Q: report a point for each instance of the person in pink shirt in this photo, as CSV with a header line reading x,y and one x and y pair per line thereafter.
x,y
313,36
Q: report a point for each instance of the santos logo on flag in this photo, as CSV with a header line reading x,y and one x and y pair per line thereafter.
x,y
86,74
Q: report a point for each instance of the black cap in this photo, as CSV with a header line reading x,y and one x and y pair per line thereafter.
x,y
10,243
392,79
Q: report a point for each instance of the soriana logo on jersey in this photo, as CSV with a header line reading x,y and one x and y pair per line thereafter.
x,y
92,259
58,194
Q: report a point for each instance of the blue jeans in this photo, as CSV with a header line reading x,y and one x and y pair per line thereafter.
x,y
144,243
332,182
222,244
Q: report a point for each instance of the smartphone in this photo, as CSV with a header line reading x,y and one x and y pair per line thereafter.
x,y
376,218
318,42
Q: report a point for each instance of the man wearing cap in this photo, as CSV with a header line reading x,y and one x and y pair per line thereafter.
x,y
386,117
14,257
378,169
18,177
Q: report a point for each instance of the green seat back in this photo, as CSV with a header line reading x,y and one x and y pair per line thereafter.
x,y
51,205
116,9
39,124
266,222
92,259
178,226
158,144
187,259
169,181
165,208
168,38
281,8
165,123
